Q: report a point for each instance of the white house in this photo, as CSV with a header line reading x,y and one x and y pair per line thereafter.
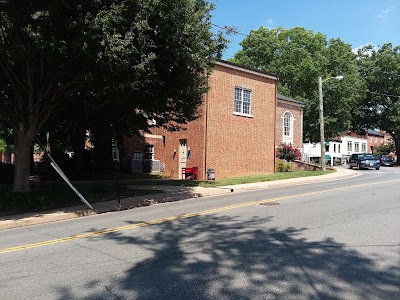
x,y
337,151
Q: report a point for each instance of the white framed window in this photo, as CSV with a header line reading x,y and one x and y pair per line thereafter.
x,y
338,148
287,126
376,139
148,151
357,147
370,139
363,147
349,146
242,101
334,148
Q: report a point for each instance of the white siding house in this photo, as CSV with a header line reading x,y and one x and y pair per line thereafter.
x,y
336,151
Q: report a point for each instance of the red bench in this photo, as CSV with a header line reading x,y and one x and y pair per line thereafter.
x,y
190,173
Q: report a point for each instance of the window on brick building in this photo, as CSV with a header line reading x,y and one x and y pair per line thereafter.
x,y
242,101
148,152
288,127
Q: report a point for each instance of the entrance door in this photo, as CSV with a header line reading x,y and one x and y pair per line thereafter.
x,y
182,156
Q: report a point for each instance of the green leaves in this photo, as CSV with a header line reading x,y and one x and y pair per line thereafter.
x,y
299,56
381,71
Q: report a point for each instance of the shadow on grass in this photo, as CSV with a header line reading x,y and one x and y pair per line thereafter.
x,y
58,195
210,257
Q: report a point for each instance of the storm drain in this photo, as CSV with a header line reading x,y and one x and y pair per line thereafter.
x,y
269,203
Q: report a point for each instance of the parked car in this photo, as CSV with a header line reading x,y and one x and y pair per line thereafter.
x,y
363,161
387,160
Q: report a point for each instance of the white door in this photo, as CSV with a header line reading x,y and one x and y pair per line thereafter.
x,y
182,156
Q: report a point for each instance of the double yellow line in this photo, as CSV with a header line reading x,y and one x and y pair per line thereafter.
x,y
178,217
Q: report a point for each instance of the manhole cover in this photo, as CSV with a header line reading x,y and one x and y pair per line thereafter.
x,y
269,203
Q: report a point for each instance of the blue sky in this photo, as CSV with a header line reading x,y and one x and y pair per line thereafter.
x,y
356,22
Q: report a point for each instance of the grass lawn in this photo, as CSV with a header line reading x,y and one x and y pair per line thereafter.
x,y
54,195
227,181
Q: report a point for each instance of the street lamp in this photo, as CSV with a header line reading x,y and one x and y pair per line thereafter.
x,y
321,118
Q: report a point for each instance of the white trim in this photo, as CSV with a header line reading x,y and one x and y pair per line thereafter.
x,y
242,115
288,139
153,136
245,70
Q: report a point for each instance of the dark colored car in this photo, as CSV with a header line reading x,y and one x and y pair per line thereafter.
x,y
363,161
387,160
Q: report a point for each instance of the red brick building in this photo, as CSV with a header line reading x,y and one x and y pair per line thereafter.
x,y
289,121
374,139
236,133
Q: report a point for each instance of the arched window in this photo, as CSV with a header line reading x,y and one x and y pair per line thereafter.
x,y
288,127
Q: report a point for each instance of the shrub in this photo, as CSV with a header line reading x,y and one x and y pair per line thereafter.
x,y
288,153
283,166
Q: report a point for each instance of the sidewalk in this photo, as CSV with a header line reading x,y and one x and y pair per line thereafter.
x,y
171,193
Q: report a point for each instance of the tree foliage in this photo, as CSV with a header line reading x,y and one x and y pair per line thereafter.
x,y
380,108
117,60
299,56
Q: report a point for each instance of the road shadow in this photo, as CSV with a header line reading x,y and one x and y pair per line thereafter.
x,y
217,257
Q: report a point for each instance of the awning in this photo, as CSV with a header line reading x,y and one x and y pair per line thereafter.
x,y
327,156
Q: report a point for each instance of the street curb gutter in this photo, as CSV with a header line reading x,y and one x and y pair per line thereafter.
x,y
10,222
28,219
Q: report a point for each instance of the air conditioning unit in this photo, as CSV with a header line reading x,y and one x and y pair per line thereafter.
x,y
137,162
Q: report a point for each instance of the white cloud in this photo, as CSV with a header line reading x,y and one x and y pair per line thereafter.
x,y
385,12
354,50
269,22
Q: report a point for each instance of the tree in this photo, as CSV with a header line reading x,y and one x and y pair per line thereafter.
x,y
380,108
299,56
146,58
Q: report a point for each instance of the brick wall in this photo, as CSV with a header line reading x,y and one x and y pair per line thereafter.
x,y
297,112
239,145
193,133
232,145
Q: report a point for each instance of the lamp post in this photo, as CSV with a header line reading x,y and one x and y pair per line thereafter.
x,y
321,118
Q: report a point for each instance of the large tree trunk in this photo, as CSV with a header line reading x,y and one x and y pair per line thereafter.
x,y
23,155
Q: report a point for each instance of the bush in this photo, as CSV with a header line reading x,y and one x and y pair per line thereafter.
x,y
283,166
288,153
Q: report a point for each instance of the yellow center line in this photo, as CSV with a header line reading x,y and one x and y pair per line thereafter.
x,y
178,217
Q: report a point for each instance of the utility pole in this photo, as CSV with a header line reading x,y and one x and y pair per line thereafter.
x,y
321,118
321,124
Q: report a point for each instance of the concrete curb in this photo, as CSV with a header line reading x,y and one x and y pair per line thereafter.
x,y
171,194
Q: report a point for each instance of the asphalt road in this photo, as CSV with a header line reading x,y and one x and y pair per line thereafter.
x,y
332,240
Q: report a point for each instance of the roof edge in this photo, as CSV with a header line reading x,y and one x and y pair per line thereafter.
x,y
281,97
246,69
